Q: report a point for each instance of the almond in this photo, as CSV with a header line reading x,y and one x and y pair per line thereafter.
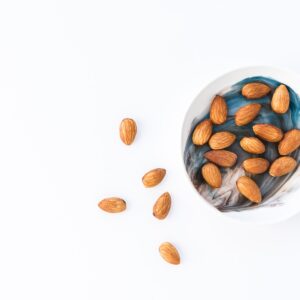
x,y
256,165
281,100
218,110
202,133
153,177
162,206
268,132
247,114
169,253
212,175
282,166
128,131
255,90
249,189
221,140
290,142
252,145
112,205
222,158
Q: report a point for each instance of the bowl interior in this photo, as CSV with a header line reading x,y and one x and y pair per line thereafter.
x,y
283,203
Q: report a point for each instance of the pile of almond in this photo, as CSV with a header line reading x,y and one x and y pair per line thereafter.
x,y
217,157
161,208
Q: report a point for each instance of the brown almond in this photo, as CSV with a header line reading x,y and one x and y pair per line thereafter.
x,y
169,253
247,114
268,132
222,158
255,90
221,140
128,131
218,110
282,166
256,165
202,132
249,189
162,206
112,205
281,100
252,145
290,142
212,175
153,177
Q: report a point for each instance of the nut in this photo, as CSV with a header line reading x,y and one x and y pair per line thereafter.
x,y
282,166
256,165
255,90
212,175
112,205
268,132
153,177
169,253
202,132
247,114
218,110
281,100
222,158
290,142
128,131
252,145
221,140
162,206
249,189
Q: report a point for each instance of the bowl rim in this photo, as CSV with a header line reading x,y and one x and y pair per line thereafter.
x,y
248,69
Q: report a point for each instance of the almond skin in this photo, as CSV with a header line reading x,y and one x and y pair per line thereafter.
x,y
256,165
222,158
282,166
112,205
290,142
221,140
247,114
212,175
128,131
153,177
162,206
249,189
255,90
252,145
202,132
281,100
218,110
268,132
169,253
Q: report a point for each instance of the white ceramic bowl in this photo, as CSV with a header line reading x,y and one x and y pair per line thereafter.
x,y
200,106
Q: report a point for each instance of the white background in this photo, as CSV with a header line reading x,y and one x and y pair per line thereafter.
x,y
69,72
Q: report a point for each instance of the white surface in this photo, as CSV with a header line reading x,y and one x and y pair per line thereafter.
x,y
69,72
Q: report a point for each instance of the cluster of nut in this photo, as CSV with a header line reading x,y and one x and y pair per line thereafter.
x,y
218,157
161,208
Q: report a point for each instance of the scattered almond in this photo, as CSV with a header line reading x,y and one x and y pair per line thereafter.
x,y
222,158
128,131
153,177
162,206
112,205
247,114
290,142
218,110
249,189
281,100
212,175
252,145
256,165
255,90
221,140
282,166
268,132
202,133
169,253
